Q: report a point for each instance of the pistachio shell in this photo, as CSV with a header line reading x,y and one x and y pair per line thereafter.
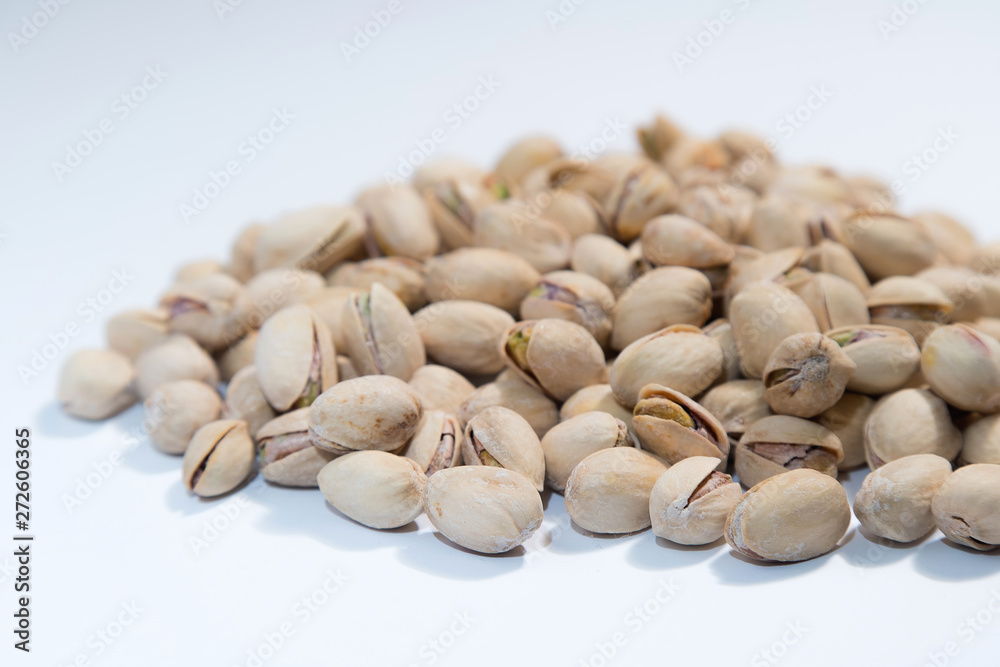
x,y
895,501
807,375
272,290
605,259
436,445
674,427
212,309
834,301
574,297
464,335
376,489
96,384
556,356
219,458
525,155
132,332
496,277
676,240
510,391
737,405
763,315
369,412
405,277
397,222
962,366
965,506
690,502
454,203
774,445
441,388
241,256
176,410
886,357
510,225
245,400
847,420
295,359
661,298
910,421
176,358
573,440
237,357
499,436
313,239
608,492
328,305
981,442
887,244
287,455
380,334
595,398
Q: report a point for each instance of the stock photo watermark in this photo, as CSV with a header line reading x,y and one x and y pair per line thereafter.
x,y
32,24
106,636
562,12
634,621
966,632
224,517
435,648
703,40
778,650
899,16
370,30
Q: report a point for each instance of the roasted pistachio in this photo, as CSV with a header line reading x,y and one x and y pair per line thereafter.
x,y
370,412
96,384
314,239
270,291
135,331
568,443
455,202
834,301
219,458
737,405
608,492
237,356
966,289
690,502
965,506
953,239
376,489
661,298
512,226
245,400
910,421
676,240
962,366
464,335
557,356
241,256
405,277
575,297
895,501
176,358
807,375
502,438
775,445
436,445
176,410
287,455
397,222
380,334
886,357
763,315
847,420
595,398
510,391
908,303
725,210
605,259
328,304
981,442
721,330
212,309
674,427
887,244
524,156
294,358
441,388
641,193
496,277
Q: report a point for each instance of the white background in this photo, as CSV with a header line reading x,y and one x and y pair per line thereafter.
x,y
129,542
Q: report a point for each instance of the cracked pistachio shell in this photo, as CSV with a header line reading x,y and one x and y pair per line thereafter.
x,y
219,458
238,356
211,309
789,518
725,211
663,297
981,442
513,226
314,239
595,398
287,455
245,400
834,258
573,440
966,289
888,245
135,331
965,507
910,421
441,388
952,238
886,357
721,330
737,405
454,203
510,391
295,359
763,315
894,502
198,269
96,384
608,492
672,426
912,304
575,297
774,445
556,356
176,410
380,335
176,358
464,335
681,357
496,277
676,240
778,222
328,304
962,366
397,222
405,277
807,375
502,438
369,412
690,502
834,301
847,420
272,290
607,260
525,155
485,509
241,255
376,489
437,443
749,268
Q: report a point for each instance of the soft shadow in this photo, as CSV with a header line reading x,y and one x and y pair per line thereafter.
x,y
433,553
735,569
52,422
661,554
179,499
945,560
875,551
546,496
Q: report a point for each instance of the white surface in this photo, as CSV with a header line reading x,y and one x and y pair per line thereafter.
x,y
130,541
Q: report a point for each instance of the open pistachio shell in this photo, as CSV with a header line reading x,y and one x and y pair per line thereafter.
x,y
295,359
774,445
219,458
502,438
690,502
380,334
674,427
287,455
314,239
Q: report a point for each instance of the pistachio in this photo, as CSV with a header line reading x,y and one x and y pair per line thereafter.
x,y
512,226
812,183
895,501
218,459
193,271
211,309
397,222
835,258
237,357
245,400
690,502
454,203
847,420
915,305
981,442
659,138
328,305
575,297
726,210
595,398
962,366
270,291
737,405
314,239
779,221
888,245
641,193
834,301
965,507
287,455
721,330
807,375
524,156
774,445
96,384
763,315
436,445
294,358
376,489
792,517
661,298
564,191
570,442
464,335
405,277
989,326
966,289
380,334
510,391
441,388
886,357
676,240
176,410
370,412
749,268
609,491
502,438
910,421
485,509
605,259
953,239
346,370
496,277
241,257
556,356
672,426
176,358
443,169
135,331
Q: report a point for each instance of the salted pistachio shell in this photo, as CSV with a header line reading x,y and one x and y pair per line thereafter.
x,y
575,297
595,398
689,154
661,298
989,326
346,370
607,260
274,289
834,301
965,506
774,445
287,455
512,226
238,356
916,305
245,400
721,330
482,508
295,359
328,304
807,375
454,203
380,334
176,358
681,357
640,194
219,458
241,255
496,277
510,391
690,502
211,309
964,287
570,442
726,211
788,518
981,442
563,191
962,366
176,410
132,332
954,240
397,222
674,427
779,221
737,405
608,492
886,357
437,443
751,266
500,437
369,412
313,239
442,169
831,257
376,489
763,315
96,384
887,244
910,421
441,388
404,276
894,501
847,420
556,356
464,335
525,155
676,240
659,137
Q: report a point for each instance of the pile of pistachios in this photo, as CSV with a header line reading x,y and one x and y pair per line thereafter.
x,y
647,334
